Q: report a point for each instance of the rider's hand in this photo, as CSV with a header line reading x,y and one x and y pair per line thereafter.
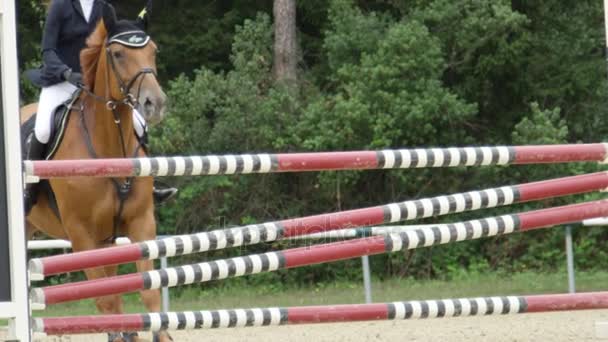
x,y
72,77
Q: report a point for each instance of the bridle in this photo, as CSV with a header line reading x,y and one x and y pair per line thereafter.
x,y
125,88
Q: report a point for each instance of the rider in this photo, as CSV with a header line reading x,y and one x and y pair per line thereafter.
x,y
68,24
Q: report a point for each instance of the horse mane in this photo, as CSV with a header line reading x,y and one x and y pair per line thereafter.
x,y
89,56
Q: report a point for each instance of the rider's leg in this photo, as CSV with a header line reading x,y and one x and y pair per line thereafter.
x,y
50,98
161,195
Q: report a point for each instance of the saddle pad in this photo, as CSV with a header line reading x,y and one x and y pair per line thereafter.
x,y
60,122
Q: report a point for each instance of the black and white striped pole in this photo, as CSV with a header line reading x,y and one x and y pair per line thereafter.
x,y
304,256
238,318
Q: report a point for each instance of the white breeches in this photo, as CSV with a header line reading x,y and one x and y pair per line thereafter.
x,y
51,97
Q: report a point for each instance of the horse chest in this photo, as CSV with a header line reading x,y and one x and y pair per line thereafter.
x,y
78,194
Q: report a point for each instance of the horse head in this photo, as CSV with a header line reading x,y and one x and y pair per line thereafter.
x,y
130,55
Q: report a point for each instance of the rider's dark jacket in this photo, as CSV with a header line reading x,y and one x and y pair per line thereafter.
x,y
65,34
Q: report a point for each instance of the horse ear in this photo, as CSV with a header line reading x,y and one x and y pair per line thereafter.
x,y
142,23
109,18
144,16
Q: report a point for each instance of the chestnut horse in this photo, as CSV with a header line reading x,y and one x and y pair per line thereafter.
x,y
101,126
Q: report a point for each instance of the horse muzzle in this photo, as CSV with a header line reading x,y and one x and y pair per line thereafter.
x,y
152,107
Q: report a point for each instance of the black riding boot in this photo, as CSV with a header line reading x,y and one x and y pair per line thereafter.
x,y
35,151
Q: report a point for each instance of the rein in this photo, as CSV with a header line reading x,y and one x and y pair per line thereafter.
x,y
123,189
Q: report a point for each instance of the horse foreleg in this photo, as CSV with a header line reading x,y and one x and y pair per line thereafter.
x,y
144,228
107,304
111,304
152,300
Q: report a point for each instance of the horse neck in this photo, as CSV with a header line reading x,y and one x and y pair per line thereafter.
x,y
104,131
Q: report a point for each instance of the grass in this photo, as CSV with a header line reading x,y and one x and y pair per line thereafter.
x,y
238,295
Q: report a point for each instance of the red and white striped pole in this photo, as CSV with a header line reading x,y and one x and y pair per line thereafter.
x,y
321,314
409,210
298,257
299,162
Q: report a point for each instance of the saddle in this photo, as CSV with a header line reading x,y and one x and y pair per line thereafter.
x,y
59,122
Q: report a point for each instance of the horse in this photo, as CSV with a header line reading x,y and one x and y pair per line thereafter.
x,y
93,211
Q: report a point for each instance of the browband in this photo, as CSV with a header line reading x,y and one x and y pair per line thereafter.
x,y
134,39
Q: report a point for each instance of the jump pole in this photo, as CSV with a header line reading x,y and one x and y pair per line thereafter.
x,y
298,162
360,232
461,307
395,212
316,254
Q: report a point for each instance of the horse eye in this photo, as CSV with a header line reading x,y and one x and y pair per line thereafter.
x,y
117,54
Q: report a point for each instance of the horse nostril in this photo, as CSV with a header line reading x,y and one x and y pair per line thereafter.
x,y
148,106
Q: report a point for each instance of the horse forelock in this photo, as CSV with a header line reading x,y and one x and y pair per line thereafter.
x,y
89,56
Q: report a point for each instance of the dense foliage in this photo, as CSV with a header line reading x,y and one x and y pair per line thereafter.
x,y
377,74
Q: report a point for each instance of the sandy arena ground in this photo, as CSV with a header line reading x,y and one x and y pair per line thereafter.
x,y
557,326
